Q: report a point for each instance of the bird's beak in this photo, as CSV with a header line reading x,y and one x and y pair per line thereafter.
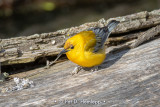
x,y
62,52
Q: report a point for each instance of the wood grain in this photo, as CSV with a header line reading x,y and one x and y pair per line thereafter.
x,y
129,77
26,49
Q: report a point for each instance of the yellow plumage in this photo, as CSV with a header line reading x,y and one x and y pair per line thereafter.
x,y
87,47
82,53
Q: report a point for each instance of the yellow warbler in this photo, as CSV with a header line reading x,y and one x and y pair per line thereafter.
x,y
87,47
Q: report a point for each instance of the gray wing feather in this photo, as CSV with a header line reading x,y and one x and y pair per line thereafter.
x,y
103,33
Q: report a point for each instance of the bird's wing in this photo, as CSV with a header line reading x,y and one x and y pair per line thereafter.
x,y
90,45
102,34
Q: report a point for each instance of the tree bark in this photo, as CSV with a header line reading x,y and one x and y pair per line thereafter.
x,y
27,49
127,77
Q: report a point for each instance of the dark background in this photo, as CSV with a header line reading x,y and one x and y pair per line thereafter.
x,y
26,17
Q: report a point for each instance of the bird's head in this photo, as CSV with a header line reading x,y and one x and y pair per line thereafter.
x,y
69,46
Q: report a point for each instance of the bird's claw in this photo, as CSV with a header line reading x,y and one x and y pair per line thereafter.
x,y
76,70
95,68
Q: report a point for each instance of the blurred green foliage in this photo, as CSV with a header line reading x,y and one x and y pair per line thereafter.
x,y
26,17
48,6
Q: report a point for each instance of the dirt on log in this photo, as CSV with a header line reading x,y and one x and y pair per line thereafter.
x,y
128,77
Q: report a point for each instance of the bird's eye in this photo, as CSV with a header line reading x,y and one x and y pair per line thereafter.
x,y
72,47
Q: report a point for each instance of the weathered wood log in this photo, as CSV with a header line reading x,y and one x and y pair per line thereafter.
x,y
146,36
29,48
129,77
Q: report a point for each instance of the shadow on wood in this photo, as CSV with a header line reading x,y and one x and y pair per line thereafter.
x,y
112,58
129,78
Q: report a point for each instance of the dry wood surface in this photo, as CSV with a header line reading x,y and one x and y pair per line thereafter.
x,y
128,76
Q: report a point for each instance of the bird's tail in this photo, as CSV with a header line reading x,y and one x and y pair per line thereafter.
x,y
108,29
111,25
103,33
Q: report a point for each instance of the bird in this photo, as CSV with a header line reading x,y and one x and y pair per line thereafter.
x,y
86,48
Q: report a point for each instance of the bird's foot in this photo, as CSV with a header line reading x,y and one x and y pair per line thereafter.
x,y
95,68
76,70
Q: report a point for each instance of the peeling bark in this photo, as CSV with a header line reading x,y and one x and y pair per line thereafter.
x,y
127,77
27,49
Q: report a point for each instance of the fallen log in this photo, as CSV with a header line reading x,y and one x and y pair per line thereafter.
x,y
27,49
128,77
